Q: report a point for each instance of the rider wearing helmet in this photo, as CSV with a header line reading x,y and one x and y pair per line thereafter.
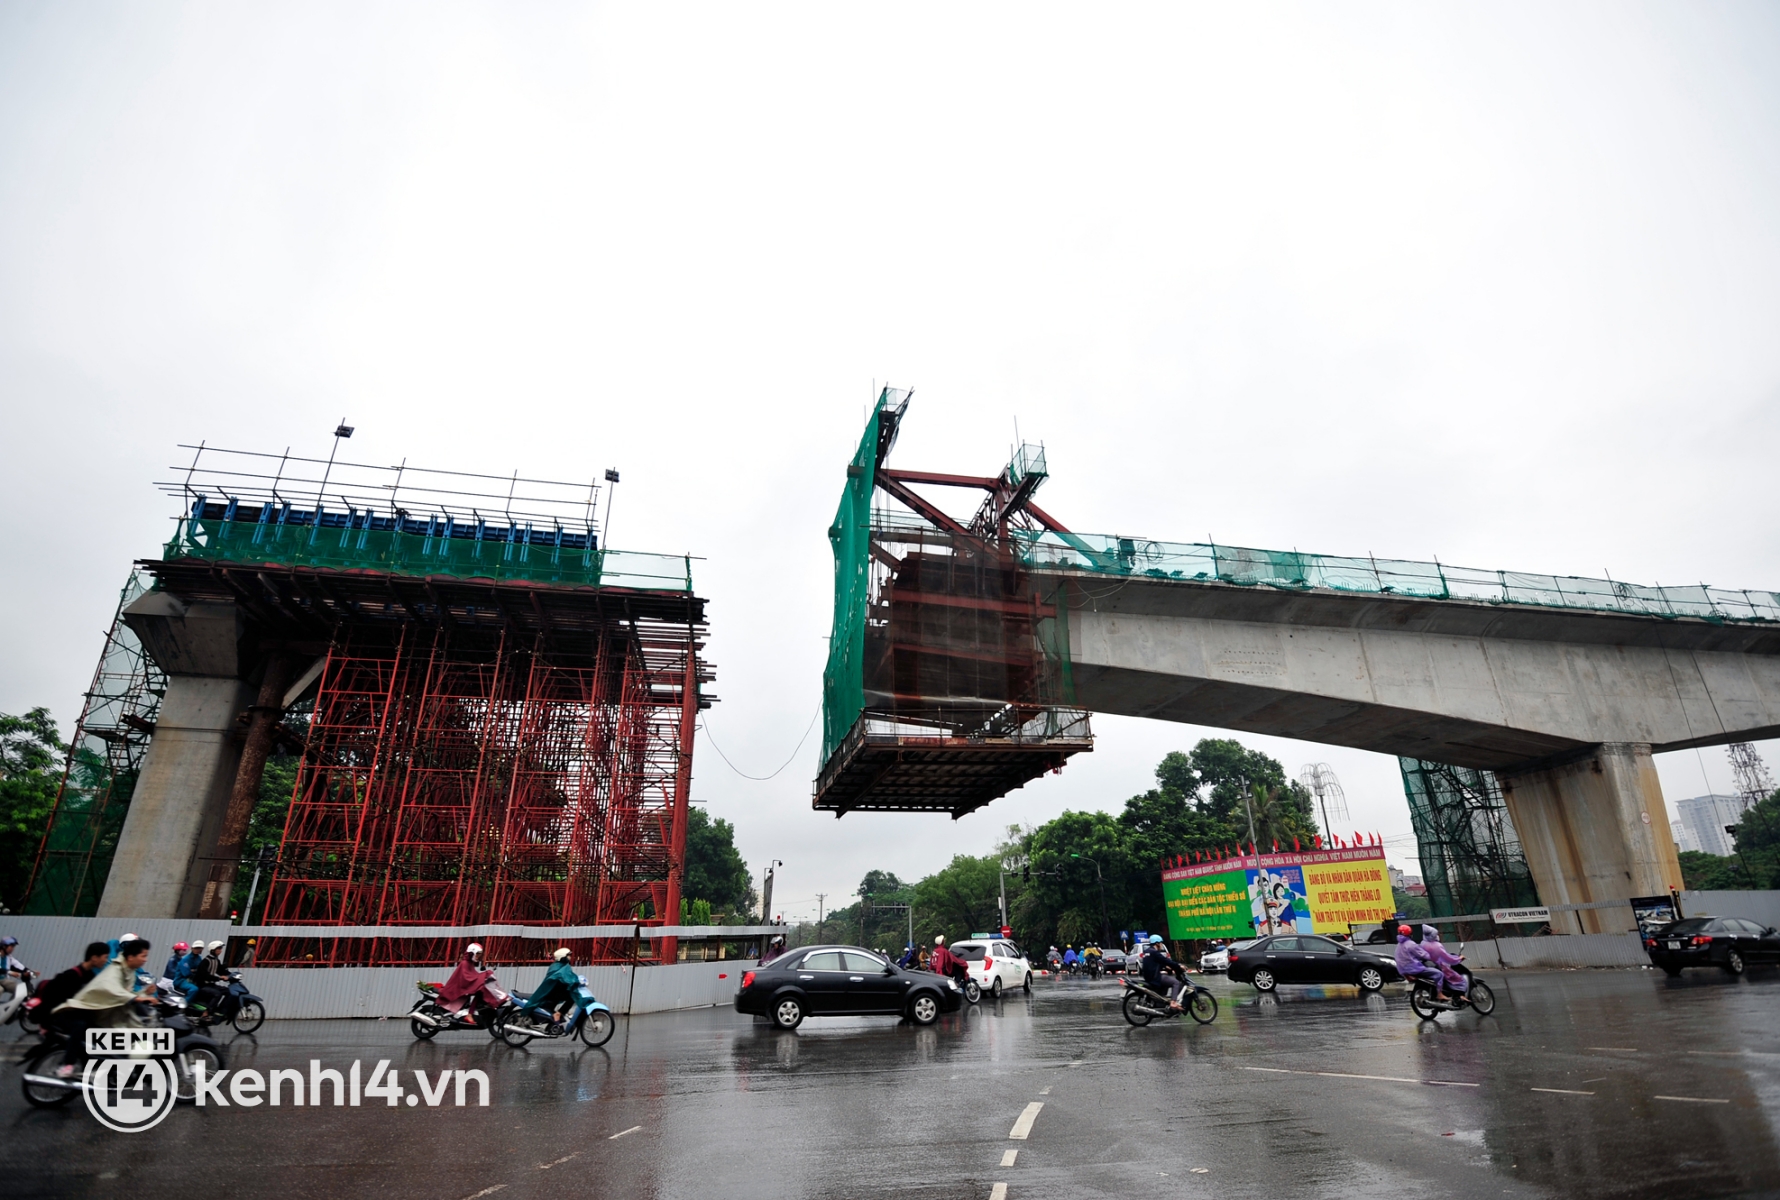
x,y
1414,962
558,988
171,970
1161,972
1450,964
774,948
944,962
469,979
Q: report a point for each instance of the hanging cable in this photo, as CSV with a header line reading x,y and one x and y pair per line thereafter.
x,y
761,778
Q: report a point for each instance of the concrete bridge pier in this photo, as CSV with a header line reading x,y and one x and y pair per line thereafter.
x,y
1594,828
182,796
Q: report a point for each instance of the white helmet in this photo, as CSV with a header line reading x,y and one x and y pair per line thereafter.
x,y
562,954
940,940
217,945
473,948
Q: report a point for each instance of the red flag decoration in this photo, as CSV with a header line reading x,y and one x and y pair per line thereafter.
x,y
1276,845
1295,846
1316,840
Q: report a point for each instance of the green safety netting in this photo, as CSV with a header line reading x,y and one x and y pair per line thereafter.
x,y
843,679
104,760
1471,858
422,554
1196,561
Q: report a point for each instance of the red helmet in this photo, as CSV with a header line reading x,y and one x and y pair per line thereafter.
x,y
180,947
1405,931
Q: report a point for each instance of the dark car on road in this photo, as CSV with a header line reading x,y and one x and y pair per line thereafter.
x,y
1303,958
842,981
1728,943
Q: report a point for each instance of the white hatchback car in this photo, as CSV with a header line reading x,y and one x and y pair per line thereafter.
x,y
997,965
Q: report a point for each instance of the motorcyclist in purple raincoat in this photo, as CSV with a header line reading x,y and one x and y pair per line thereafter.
x,y
1443,958
1413,961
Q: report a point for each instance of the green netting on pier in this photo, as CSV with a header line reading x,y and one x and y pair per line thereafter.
x,y
1471,857
843,679
1296,571
421,554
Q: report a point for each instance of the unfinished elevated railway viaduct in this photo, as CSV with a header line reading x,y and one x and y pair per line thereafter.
x,y
968,655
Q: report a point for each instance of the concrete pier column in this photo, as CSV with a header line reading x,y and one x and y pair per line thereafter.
x,y
180,797
1595,828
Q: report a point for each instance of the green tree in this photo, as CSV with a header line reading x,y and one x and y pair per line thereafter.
x,y
962,898
1709,872
31,758
714,869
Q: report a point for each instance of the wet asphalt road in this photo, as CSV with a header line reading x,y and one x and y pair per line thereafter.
x,y
1650,1088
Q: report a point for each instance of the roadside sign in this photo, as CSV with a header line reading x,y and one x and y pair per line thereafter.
x,y
1514,916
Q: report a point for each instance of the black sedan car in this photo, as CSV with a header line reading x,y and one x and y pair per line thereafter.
x,y
1302,958
1728,943
842,981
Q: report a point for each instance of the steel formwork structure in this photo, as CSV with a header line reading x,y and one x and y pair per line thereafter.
x,y
509,784
948,681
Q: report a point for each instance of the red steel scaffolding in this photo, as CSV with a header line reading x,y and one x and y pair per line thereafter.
x,y
514,785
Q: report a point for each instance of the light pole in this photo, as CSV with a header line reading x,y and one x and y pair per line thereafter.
x,y
820,897
1105,929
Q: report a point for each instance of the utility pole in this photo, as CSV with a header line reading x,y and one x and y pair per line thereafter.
x,y
820,897
1013,862
766,893
864,903
1260,887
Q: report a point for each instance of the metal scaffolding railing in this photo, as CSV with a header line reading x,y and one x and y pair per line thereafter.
x,y
1293,570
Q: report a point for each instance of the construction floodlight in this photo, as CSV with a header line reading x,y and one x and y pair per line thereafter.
x,y
611,475
342,431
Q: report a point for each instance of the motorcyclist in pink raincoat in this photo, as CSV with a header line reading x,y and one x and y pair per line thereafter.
x,y
470,978
1445,959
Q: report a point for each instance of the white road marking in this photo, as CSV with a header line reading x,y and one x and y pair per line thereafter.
x,y
998,1192
1692,1099
1377,1078
487,1191
1044,1091
1023,1127
620,1134
1561,1091
1718,1053
1616,1049
565,1158
1007,1159
1201,1170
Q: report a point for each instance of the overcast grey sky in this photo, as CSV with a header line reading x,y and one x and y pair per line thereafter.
x,y
1498,283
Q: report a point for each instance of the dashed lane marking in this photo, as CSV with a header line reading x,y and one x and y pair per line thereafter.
x,y
487,1191
1023,1127
1200,1170
1692,1099
621,1133
998,1192
1717,1053
1616,1049
1561,1091
1007,1158
1044,1091
1346,1075
565,1158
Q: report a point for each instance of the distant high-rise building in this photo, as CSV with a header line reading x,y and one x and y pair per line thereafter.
x,y
1703,819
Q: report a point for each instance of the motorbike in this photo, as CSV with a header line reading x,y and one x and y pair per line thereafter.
x,y
429,1016
1477,996
44,1088
586,1019
238,1007
17,1003
1144,1004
